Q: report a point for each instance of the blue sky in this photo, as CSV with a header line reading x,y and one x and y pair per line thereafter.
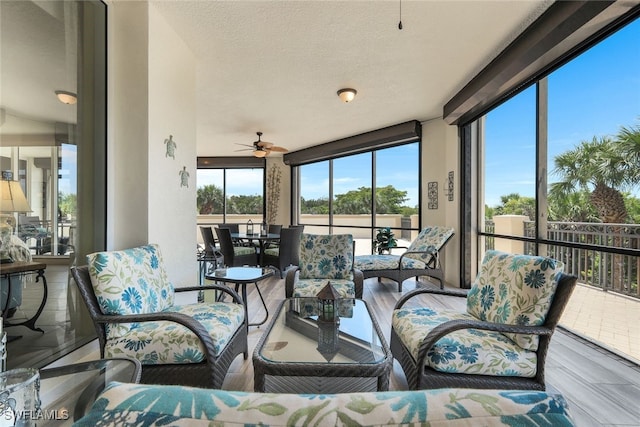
x,y
593,95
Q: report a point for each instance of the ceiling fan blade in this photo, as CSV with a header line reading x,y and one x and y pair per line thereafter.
x,y
245,145
264,144
245,149
278,149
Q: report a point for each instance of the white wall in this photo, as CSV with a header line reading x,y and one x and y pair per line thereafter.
x,y
150,98
127,125
172,111
440,152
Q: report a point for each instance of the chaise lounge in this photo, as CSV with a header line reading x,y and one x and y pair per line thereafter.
x,y
422,258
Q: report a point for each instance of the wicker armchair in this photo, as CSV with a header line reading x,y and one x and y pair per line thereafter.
x,y
500,342
421,258
324,258
132,308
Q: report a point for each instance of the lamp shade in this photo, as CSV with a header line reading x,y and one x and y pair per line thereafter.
x,y
12,198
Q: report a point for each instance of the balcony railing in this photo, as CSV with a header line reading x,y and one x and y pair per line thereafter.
x,y
607,271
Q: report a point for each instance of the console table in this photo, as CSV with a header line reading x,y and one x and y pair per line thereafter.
x,y
22,268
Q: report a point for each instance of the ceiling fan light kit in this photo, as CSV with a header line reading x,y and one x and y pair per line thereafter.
x,y
263,148
347,94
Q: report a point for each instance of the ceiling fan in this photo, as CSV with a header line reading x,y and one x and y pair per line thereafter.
x,y
262,148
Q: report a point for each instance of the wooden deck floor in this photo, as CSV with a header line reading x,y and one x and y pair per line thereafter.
x,y
602,388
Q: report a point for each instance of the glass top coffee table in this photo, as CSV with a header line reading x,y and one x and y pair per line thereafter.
x,y
299,354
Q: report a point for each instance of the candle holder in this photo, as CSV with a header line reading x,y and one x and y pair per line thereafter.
x,y
327,309
249,228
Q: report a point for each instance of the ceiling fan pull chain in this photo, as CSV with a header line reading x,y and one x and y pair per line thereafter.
x,y
400,22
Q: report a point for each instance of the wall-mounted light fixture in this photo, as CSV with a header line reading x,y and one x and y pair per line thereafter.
x,y
347,94
66,97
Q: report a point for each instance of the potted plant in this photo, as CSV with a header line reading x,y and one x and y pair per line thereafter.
x,y
384,241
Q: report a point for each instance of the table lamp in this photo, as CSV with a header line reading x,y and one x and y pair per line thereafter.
x,y
12,199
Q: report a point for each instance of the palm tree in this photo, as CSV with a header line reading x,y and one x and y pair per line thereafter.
x,y
210,200
602,167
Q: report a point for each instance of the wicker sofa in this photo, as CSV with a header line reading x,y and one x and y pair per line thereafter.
x,y
137,404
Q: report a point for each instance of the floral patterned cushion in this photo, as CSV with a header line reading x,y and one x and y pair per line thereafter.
x,y
514,289
310,287
131,281
327,256
430,240
386,262
167,342
137,404
466,351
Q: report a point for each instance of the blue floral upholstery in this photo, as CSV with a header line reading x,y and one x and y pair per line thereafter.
x,y
429,242
134,281
131,281
328,256
514,289
311,287
134,404
420,259
466,351
323,259
509,289
387,262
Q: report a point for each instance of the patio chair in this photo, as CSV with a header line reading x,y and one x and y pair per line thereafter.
x,y
324,258
210,257
286,253
131,303
422,258
502,338
235,254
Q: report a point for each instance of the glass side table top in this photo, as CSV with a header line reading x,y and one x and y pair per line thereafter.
x,y
67,392
296,335
240,274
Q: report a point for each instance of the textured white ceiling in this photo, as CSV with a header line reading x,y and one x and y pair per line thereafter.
x,y
275,66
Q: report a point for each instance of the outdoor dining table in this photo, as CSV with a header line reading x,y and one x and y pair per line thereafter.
x,y
262,239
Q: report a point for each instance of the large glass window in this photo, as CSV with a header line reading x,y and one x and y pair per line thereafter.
x,y
233,195
559,169
52,141
342,194
314,197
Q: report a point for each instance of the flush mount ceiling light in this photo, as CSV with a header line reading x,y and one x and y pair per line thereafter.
x,y
66,97
347,94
